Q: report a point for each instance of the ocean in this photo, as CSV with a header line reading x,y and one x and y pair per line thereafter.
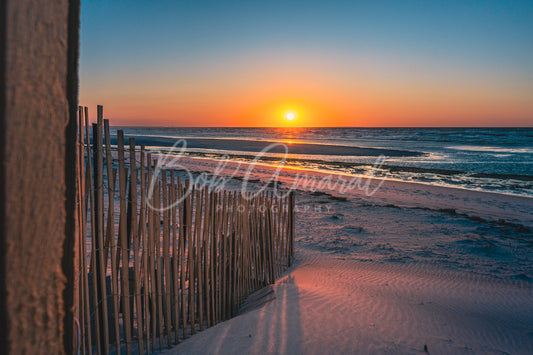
x,y
485,159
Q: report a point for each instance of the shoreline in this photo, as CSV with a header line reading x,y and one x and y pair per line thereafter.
x,y
396,168
428,176
483,204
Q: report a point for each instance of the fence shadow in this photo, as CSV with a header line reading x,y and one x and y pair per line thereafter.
x,y
274,328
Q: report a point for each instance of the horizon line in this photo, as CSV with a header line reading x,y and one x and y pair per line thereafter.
x,y
414,127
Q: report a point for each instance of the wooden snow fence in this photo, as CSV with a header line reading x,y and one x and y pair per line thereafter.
x,y
165,258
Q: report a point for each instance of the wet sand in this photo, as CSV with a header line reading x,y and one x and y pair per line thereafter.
x,y
243,145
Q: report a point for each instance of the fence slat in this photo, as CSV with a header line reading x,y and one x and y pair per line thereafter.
x,y
198,254
151,250
114,283
110,243
99,231
143,235
159,276
205,257
166,257
175,257
181,254
123,241
98,336
220,237
136,246
84,299
190,266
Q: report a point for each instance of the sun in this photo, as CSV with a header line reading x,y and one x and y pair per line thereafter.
x,y
290,116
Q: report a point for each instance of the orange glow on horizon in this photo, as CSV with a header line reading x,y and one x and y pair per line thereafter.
x,y
365,111
265,102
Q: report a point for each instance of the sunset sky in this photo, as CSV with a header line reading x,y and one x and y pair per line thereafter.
x,y
330,63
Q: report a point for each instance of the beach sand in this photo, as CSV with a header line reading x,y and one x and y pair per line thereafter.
x,y
410,268
326,306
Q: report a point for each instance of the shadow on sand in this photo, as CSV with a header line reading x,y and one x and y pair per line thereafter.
x,y
274,328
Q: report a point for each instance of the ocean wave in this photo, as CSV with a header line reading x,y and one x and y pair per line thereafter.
x,y
474,148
